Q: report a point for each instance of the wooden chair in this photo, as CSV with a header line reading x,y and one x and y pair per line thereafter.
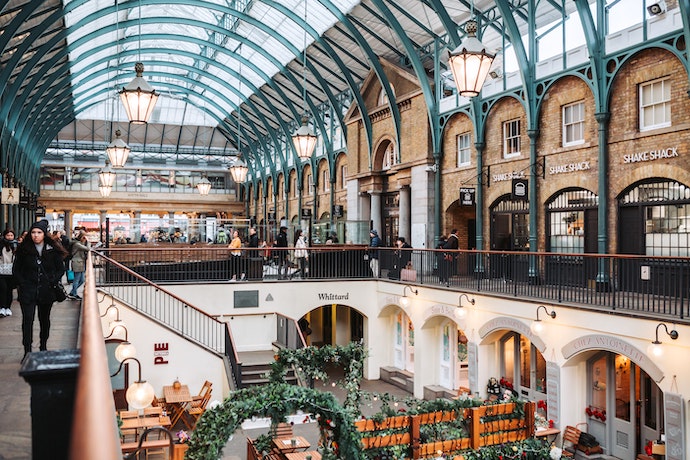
x,y
283,430
205,388
156,411
195,410
128,435
571,437
164,442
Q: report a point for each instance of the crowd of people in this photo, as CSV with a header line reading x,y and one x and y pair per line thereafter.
x,y
34,264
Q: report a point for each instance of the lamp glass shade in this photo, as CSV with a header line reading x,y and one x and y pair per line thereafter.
x,y
125,350
655,349
138,97
140,395
204,186
117,151
105,190
239,171
304,140
470,63
537,326
107,176
404,301
460,312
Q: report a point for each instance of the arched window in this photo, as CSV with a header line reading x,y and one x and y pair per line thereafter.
x,y
383,97
390,157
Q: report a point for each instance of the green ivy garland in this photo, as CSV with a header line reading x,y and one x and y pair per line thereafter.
x,y
275,401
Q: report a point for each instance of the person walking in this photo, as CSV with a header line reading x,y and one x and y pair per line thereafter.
x,y
9,246
80,249
236,256
38,266
282,242
301,254
374,242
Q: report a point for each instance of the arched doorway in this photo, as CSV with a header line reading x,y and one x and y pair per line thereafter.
x,y
625,405
334,324
522,366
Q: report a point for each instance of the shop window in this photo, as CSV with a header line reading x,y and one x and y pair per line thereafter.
x,y
511,138
655,104
464,149
310,185
574,124
522,362
598,382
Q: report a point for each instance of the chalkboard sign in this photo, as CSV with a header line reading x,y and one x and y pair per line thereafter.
x,y
472,365
675,426
553,388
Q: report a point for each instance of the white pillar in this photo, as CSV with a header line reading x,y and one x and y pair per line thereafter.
x,y
376,211
404,225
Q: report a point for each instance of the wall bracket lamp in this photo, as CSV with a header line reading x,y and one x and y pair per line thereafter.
x,y
140,394
125,350
655,348
461,312
537,324
404,300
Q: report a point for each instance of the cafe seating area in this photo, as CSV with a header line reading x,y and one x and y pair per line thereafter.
x,y
153,432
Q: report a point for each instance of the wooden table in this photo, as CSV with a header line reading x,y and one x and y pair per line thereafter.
x,y
284,445
315,455
177,400
145,422
547,432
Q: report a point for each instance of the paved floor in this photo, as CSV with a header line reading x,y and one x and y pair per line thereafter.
x,y
15,393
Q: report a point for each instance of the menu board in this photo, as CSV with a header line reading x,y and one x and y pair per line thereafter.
x,y
472,365
675,426
553,388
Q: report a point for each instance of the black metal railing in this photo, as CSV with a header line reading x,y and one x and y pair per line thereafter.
x,y
640,284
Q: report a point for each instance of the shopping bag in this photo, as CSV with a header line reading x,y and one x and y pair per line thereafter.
x,y
408,273
70,276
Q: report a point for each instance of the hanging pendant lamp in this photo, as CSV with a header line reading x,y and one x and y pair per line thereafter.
x,y
470,63
204,186
304,139
107,176
118,151
139,97
239,171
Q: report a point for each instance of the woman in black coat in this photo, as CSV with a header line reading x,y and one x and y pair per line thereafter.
x,y
38,266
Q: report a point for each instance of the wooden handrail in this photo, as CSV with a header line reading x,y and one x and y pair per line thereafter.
x,y
94,425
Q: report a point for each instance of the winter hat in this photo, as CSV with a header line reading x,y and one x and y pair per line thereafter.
x,y
42,225
374,232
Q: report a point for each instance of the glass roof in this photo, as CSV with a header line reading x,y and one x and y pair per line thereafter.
x,y
207,36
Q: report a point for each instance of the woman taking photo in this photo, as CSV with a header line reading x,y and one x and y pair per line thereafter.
x,y
38,266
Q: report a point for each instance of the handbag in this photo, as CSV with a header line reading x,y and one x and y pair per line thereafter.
x,y
59,291
70,276
408,273
5,269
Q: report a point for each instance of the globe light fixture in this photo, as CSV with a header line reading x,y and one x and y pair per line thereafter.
x,y
470,63
404,300
461,312
655,349
138,97
117,151
140,394
538,325
125,349
204,186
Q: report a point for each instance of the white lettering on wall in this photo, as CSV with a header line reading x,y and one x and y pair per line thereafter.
x,y
570,167
508,176
651,155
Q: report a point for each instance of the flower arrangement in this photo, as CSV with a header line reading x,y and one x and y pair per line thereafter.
x,y
182,436
594,412
555,453
504,382
541,404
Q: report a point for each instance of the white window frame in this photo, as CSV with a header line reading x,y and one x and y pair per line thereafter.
x,y
657,102
573,126
464,147
383,96
343,173
390,157
310,185
511,138
326,181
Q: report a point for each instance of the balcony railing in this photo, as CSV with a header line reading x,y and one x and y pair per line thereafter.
x,y
636,284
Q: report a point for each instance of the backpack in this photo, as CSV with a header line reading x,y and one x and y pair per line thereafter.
x,y
222,237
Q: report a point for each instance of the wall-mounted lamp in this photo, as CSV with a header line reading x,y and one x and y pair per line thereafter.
x,y
461,312
139,394
654,348
537,324
404,300
125,350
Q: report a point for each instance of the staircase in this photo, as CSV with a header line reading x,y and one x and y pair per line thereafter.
x,y
257,365
398,377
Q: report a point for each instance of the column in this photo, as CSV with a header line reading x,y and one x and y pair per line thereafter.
x,y
376,212
136,227
68,222
405,225
105,237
